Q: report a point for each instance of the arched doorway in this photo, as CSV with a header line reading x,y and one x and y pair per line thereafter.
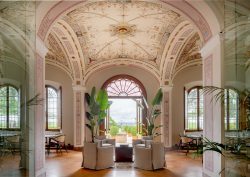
x,y
126,114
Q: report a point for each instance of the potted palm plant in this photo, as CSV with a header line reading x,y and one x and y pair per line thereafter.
x,y
153,112
97,110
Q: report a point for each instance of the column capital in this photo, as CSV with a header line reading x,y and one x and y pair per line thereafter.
x,y
166,88
79,88
41,49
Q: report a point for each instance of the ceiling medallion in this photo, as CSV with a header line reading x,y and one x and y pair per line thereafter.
x,y
122,30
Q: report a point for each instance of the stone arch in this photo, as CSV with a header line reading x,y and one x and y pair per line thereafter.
x,y
120,62
171,52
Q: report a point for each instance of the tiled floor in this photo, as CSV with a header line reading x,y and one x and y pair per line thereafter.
x,y
69,165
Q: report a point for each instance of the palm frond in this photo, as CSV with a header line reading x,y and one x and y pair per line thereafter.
x,y
89,127
34,101
158,98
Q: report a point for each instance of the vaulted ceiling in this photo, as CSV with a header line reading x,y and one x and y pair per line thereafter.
x,y
145,34
101,33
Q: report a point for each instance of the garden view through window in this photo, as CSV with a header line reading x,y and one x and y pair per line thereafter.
x,y
231,110
53,110
123,117
124,120
194,109
9,108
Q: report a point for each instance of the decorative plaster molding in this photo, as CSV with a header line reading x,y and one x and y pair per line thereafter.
x,y
166,88
77,88
122,61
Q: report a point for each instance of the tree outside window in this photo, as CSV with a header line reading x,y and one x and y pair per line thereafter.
x,y
194,109
9,107
231,110
53,108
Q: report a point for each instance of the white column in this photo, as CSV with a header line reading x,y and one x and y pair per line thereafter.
x,y
166,116
212,55
39,130
79,115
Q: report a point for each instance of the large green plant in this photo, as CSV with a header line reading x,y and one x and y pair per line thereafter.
x,y
97,110
151,128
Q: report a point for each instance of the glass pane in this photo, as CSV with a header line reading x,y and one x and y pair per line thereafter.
x,y
192,113
123,87
3,107
201,115
233,110
53,119
14,108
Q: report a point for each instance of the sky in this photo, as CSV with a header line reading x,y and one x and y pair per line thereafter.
x,y
123,111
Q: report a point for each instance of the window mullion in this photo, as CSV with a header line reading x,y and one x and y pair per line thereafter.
x,y
228,121
7,100
198,109
46,108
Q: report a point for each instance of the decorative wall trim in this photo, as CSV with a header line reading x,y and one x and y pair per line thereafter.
x,y
208,116
79,115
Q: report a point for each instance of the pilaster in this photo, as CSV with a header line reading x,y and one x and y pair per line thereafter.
x,y
79,115
212,55
166,116
39,131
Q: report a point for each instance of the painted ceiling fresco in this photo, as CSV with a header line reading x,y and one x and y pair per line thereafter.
x,y
136,30
101,33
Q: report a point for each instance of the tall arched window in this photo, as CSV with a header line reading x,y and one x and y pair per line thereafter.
x,y
231,110
194,109
129,92
9,107
53,108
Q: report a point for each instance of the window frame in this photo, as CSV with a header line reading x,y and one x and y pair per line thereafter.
x,y
59,101
7,109
143,98
226,111
186,92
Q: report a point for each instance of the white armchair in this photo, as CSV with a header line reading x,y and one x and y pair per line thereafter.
x,y
97,157
150,158
145,141
105,141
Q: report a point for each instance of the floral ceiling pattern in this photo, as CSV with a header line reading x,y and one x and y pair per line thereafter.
x,y
96,34
136,30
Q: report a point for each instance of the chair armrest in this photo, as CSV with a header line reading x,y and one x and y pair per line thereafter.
x,y
137,141
110,141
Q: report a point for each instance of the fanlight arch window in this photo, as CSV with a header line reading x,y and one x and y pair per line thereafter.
x,y
194,109
124,86
231,110
53,108
9,107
